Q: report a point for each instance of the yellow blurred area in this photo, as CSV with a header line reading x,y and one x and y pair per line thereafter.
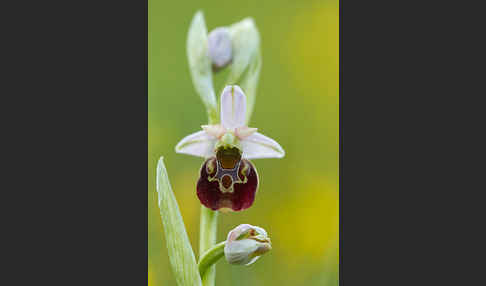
x,y
150,277
314,44
308,225
189,205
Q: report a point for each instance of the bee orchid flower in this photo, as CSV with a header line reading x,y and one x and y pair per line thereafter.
x,y
228,180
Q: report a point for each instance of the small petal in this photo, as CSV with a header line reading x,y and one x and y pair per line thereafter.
x,y
244,131
199,144
260,146
216,130
233,107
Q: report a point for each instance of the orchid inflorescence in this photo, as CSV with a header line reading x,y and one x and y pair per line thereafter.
x,y
228,180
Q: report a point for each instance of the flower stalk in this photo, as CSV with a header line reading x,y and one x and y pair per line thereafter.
x,y
210,257
208,228
207,231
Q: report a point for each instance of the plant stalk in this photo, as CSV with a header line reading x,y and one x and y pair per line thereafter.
x,y
207,239
210,257
208,225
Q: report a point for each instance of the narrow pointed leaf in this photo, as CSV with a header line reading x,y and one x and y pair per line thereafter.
x,y
181,256
250,83
246,40
200,63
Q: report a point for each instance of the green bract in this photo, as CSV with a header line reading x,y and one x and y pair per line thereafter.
x,y
181,255
246,66
200,63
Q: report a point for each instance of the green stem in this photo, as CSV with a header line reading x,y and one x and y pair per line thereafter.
x,y
210,257
212,114
207,238
208,225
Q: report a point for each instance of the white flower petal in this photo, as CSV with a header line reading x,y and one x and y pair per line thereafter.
x,y
233,107
260,146
198,144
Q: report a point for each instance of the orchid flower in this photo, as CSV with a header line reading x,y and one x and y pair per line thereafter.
x,y
228,179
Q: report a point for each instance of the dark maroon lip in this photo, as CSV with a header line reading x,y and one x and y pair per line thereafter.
x,y
233,188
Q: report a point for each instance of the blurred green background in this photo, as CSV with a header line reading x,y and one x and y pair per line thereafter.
x,y
297,105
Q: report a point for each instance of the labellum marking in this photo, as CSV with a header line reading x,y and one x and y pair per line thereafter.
x,y
228,164
227,177
227,181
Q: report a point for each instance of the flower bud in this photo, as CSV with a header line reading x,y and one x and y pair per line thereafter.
x,y
220,48
245,244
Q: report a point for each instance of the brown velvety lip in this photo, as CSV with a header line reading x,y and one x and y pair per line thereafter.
x,y
243,192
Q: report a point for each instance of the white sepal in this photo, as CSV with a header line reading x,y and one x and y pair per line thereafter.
x,y
199,144
258,146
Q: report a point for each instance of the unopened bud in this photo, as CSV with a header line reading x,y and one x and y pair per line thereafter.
x,y
245,244
220,48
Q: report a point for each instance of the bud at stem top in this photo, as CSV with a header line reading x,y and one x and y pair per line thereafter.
x,y
220,48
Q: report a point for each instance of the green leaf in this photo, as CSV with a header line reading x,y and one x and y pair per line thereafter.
x,y
246,41
250,82
200,64
181,256
247,60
